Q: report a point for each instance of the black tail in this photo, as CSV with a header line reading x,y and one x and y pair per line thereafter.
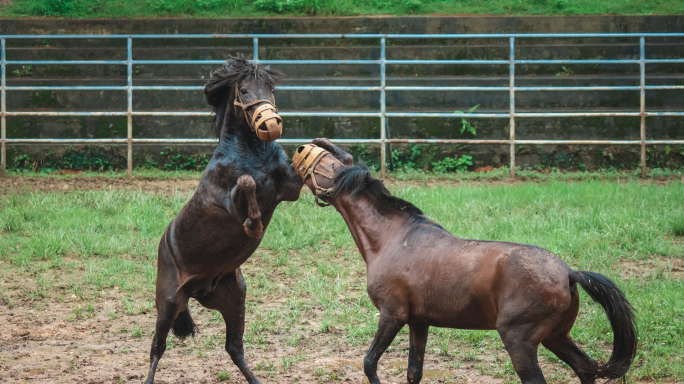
x,y
622,321
183,326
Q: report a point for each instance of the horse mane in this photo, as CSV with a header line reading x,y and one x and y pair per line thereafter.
x,y
358,179
223,80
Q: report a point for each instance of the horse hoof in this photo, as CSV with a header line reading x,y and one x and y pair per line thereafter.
x,y
256,233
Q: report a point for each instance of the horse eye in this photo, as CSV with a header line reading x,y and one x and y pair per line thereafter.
x,y
243,91
273,90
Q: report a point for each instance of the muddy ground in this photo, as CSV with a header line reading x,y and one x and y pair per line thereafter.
x,y
53,339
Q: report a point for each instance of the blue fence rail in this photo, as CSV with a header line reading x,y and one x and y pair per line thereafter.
x,y
382,114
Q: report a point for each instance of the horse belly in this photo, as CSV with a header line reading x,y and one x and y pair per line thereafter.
x,y
456,307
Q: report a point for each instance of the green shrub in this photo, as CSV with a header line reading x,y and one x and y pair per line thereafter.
x,y
452,164
51,7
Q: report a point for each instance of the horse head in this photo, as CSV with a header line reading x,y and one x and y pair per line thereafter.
x,y
318,164
241,93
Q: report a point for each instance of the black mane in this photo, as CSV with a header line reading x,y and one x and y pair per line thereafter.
x,y
223,80
358,179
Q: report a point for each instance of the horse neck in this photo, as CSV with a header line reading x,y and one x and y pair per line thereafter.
x,y
235,134
373,226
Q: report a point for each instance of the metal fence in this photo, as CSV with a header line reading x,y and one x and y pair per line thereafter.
x,y
382,114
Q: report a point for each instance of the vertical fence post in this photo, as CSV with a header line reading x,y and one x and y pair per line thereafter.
x,y
383,111
129,97
642,101
255,49
3,110
511,87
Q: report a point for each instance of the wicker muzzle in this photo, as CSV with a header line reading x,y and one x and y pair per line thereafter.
x,y
307,162
264,121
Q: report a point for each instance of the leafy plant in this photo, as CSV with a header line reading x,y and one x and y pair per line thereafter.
x,y
565,72
91,158
452,164
406,160
25,71
182,162
465,124
369,154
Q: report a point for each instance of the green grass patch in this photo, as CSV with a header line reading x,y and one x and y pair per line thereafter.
x,y
306,283
260,8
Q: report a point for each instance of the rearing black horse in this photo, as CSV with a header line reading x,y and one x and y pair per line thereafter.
x,y
221,226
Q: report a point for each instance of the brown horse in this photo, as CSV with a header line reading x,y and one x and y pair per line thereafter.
x,y
421,275
202,249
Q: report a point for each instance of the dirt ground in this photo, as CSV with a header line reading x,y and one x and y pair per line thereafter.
x,y
171,185
48,340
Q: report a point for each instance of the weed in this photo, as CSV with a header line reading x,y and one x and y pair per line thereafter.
x,y
222,376
25,71
565,72
137,332
452,164
83,312
465,124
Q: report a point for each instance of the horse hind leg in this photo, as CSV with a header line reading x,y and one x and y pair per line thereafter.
x,y
229,299
418,340
561,344
565,348
521,345
168,317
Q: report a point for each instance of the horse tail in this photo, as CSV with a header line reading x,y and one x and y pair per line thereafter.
x,y
183,326
622,321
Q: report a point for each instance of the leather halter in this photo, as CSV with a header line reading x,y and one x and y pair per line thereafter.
x,y
305,160
260,115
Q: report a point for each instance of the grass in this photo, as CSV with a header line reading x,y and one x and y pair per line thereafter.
x,y
262,8
306,283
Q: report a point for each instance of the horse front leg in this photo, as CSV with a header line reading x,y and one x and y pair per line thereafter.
x,y
388,327
245,193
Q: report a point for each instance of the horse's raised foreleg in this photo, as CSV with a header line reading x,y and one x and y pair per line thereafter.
x,y
341,155
229,299
245,193
418,339
388,327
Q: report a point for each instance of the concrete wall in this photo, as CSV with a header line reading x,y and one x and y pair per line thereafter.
x,y
218,49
